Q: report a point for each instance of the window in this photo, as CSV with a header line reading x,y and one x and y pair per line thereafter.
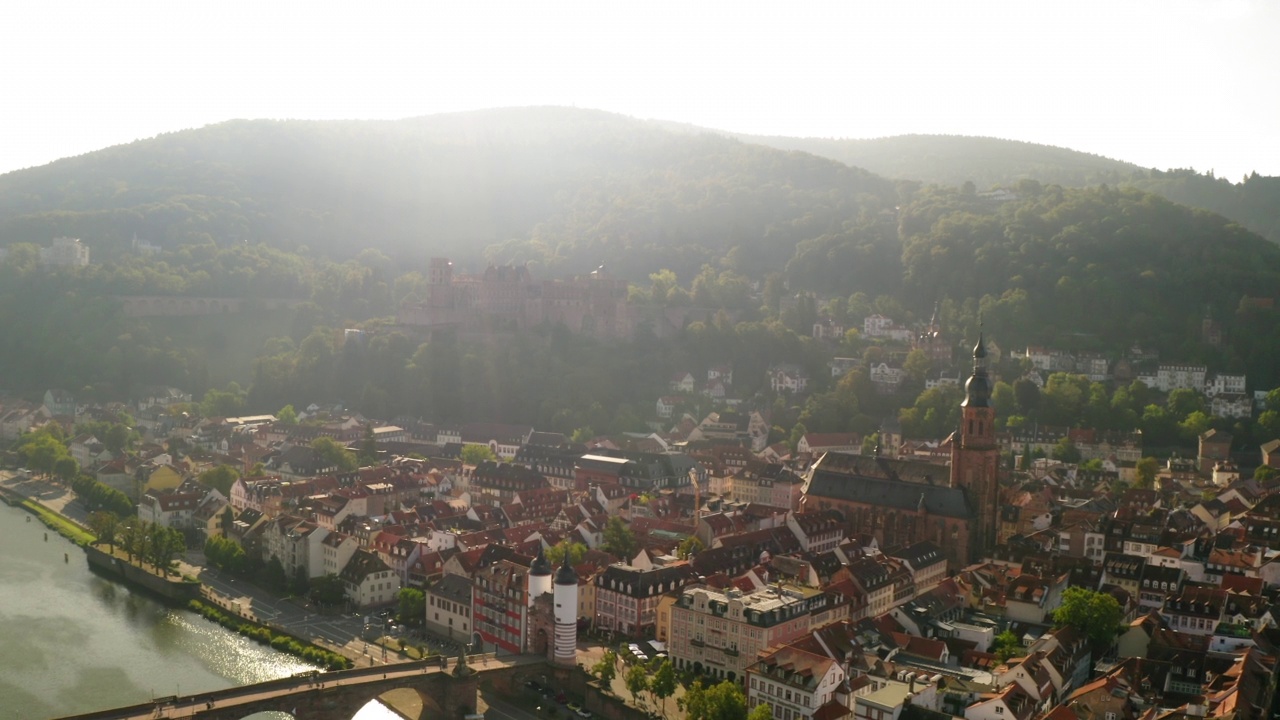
x,y
999,709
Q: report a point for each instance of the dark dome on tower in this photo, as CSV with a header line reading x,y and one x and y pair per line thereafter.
x,y
540,566
566,575
977,391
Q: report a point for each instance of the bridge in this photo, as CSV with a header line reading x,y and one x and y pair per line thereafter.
x,y
435,689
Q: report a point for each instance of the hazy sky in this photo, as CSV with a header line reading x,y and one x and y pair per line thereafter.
x,y
1162,83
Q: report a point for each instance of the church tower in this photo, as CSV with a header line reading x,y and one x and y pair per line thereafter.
x,y
975,456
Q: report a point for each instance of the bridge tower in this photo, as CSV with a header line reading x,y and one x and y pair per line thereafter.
x,y
566,613
539,576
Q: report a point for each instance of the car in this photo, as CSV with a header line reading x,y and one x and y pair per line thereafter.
x,y
583,712
633,648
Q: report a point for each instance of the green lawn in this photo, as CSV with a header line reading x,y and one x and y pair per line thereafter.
x,y
61,525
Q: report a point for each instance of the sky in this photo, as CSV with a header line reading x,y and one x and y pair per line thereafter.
x,y
1161,83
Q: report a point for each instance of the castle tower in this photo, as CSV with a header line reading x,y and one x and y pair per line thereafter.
x,y
975,456
440,283
566,612
540,576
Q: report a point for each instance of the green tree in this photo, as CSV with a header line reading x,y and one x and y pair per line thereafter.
x,y
131,538
1263,473
66,468
1145,472
223,403
328,590
220,478
577,551
334,454
1182,402
688,547
637,680
368,447
1193,425
724,701
761,712
104,526
663,683
412,608
1008,645
1095,614
1066,451
273,575
798,431
300,585
1027,396
476,454
228,520
619,540
287,415
606,669
161,544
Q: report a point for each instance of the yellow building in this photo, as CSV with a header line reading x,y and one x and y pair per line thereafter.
x,y
662,630
163,477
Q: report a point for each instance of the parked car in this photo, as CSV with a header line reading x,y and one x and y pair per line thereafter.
x,y
583,712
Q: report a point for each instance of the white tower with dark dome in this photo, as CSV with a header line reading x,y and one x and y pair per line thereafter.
x,y
566,614
539,577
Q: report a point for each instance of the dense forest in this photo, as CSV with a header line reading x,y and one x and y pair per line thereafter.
x,y
339,218
1254,202
563,189
955,159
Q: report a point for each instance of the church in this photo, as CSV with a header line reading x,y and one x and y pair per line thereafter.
x,y
901,502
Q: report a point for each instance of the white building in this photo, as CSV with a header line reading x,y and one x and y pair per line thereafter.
x,y
793,682
169,509
1222,383
368,581
65,252
1180,377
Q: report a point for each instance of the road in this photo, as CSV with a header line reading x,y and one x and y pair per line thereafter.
x,y
496,708
266,607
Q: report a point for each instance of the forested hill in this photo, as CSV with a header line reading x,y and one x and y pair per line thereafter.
x,y
955,159
562,187
988,162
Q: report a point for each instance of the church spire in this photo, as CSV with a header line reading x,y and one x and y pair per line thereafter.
x,y
977,391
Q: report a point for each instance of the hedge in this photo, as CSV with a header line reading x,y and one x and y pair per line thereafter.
x,y
278,641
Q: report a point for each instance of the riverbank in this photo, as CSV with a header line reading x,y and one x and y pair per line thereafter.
x,y
55,506
61,524
284,642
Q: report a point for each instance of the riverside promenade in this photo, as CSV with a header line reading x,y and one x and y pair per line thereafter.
x,y
336,633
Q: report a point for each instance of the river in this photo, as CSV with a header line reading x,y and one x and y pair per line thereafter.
x,y
72,642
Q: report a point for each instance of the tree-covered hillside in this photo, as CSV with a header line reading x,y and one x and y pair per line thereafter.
x,y
338,217
1089,269
955,159
989,162
561,187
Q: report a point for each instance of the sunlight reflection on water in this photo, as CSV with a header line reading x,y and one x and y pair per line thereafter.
x,y
233,656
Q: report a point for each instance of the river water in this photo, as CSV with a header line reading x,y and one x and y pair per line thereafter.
x,y
72,642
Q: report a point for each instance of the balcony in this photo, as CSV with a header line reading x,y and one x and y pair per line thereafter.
x,y
730,651
697,642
